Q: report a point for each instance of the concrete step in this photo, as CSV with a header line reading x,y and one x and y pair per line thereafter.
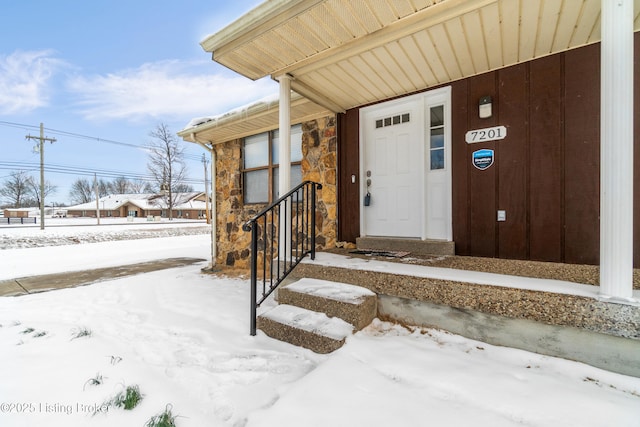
x,y
353,304
304,328
414,246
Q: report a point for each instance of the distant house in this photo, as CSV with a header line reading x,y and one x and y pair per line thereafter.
x,y
19,216
187,206
16,213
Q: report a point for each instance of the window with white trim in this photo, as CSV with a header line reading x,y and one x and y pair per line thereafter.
x,y
260,164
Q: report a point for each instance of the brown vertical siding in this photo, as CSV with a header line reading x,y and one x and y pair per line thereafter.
x,y
636,155
512,163
582,155
546,175
460,174
545,148
482,184
348,164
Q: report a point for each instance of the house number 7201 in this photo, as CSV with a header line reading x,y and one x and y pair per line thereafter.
x,y
486,134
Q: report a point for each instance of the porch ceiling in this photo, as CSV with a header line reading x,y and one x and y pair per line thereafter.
x,y
347,53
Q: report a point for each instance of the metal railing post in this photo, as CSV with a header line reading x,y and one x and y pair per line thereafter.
x,y
313,220
254,279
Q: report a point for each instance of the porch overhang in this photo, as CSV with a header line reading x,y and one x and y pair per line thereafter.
x,y
343,54
260,116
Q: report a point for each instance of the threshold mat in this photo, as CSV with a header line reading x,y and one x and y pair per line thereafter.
x,y
373,252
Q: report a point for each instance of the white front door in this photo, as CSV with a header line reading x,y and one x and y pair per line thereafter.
x,y
405,167
393,169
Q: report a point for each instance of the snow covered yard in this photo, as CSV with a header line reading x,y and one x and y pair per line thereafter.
x,y
68,231
182,338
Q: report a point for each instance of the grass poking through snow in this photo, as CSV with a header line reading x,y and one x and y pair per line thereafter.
x,y
97,380
127,399
80,332
163,419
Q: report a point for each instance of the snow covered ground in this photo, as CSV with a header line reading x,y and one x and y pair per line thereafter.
x,y
66,231
182,338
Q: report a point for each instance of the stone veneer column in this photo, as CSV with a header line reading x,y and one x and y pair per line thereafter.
x,y
233,243
319,164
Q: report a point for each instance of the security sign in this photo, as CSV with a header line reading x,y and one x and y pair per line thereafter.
x,y
482,159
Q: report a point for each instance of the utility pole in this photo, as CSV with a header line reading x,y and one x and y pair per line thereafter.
x,y
206,188
95,188
42,140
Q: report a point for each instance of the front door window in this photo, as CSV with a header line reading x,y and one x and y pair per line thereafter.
x,y
436,137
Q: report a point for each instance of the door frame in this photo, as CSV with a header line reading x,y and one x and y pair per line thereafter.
x,y
441,96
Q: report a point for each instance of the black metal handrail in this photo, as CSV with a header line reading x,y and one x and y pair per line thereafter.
x,y
296,209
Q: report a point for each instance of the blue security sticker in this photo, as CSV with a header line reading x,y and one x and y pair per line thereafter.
x,y
482,159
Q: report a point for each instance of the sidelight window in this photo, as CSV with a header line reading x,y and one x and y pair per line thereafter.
x,y
436,137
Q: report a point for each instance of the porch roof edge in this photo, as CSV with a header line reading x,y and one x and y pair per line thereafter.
x,y
261,18
263,109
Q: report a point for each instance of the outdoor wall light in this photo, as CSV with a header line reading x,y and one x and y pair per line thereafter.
x,y
484,107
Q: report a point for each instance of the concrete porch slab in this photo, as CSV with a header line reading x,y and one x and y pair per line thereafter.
x,y
414,246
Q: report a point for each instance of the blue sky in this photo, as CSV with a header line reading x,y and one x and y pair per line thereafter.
x,y
110,70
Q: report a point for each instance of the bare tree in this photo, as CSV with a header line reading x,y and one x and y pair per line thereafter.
x,y
183,188
104,188
139,186
34,189
120,185
166,163
16,188
81,191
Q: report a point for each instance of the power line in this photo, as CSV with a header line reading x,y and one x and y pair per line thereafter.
x,y
83,171
92,138
72,170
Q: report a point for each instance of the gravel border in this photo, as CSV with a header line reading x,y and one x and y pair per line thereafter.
x,y
577,273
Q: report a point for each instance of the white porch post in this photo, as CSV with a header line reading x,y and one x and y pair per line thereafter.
x,y
616,150
284,159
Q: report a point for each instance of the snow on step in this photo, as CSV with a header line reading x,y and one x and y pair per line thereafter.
x,y
310,321
336,291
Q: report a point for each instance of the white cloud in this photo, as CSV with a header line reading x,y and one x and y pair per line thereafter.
x,y
24,79
164,89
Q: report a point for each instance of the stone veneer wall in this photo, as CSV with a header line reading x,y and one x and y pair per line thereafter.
x,y
319,163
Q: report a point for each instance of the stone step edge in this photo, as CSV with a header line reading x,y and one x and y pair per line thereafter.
x,y
309,321
336,291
